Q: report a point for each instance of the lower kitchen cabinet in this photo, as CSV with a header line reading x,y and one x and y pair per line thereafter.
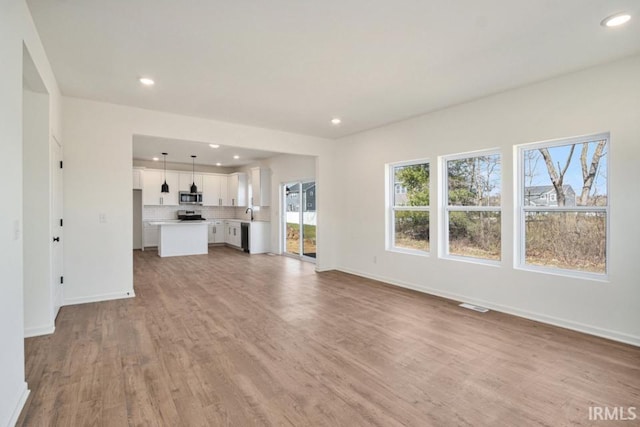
x,y
216,232
233,233
259,235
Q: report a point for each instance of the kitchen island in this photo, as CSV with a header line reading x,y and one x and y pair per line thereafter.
x,y
179,238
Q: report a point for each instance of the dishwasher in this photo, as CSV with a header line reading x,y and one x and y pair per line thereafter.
x,y
244,234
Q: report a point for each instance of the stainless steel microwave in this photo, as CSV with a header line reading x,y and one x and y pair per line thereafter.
x,y
187,198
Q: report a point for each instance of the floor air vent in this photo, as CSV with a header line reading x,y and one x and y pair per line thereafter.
x,y
474,307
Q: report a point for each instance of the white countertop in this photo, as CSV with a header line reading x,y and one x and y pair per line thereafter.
x,y
173,222
206,221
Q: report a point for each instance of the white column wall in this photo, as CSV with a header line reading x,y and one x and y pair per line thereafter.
x,y
16,28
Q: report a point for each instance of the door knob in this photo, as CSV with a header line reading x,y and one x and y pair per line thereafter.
x,y
56,239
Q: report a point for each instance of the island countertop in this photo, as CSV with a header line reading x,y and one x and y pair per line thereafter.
x,y
176,222
204,221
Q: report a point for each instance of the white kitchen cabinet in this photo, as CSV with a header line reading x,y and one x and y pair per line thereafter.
x,y
138,178
151,189
214,190
233,234
150,235
237,189
260,187
216,232
186,179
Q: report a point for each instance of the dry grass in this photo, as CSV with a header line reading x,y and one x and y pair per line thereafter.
x,y
293,238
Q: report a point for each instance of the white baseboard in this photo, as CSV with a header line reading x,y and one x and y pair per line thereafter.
x,y
39,330
99,298
24,394
555,321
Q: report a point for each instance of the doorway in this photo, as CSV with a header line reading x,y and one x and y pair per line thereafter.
x,y
299,219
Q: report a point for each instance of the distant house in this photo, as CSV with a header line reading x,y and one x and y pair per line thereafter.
x,y
545,195
308,197
400,195
309,190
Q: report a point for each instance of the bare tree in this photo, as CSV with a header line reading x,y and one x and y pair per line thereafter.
x,y
557,176
589,172
531,160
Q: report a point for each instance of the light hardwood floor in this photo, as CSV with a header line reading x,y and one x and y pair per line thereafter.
x,y
233,339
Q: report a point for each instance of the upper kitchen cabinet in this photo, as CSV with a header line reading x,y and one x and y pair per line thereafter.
x,y
186,179
260,187
138,178
214,190
237,189
151,189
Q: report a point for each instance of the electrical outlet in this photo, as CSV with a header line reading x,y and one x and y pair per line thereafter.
x,y
102,218
375,259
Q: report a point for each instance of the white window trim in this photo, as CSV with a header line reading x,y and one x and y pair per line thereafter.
x,y
521,210
390,243
443,200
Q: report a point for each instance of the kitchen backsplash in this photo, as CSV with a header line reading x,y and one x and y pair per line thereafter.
x,y
208,212
259,213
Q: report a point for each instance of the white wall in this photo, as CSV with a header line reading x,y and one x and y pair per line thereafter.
x,y
98,152
606,98
16,27
38,301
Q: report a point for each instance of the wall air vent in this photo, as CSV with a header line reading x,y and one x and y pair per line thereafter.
x,y
474,307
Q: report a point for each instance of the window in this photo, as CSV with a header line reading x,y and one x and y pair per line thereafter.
x,y
568,233
472,211
409,207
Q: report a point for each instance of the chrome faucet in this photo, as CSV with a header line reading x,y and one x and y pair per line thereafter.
x,y
247,211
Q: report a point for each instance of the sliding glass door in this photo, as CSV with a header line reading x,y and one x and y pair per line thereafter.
x,y
300,219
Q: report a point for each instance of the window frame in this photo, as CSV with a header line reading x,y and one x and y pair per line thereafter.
x,y
391,208
522,209
445,208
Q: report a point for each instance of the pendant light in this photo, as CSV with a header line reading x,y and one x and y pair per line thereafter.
x,y
165,186
194,187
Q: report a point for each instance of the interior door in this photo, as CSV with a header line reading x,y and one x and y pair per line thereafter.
x,y
57,240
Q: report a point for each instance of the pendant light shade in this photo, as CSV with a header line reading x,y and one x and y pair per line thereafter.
x,y
194,187
165,186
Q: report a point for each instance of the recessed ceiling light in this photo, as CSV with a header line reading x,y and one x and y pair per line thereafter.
x,y
218,164
236,157
616,20
155,159
336,121
147,81
214,146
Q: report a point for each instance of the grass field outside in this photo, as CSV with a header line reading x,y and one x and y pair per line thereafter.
x,y
293,238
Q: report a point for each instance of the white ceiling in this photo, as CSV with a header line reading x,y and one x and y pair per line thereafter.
x,y
179,151
292,65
